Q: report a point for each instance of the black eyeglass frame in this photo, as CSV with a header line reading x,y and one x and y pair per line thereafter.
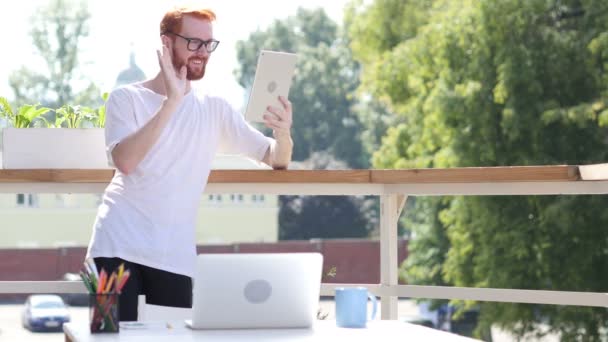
x,y
210,45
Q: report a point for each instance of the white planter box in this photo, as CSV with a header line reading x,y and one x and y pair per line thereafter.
x,y
54,148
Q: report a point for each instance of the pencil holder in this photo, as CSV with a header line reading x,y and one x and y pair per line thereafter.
x,y
103,313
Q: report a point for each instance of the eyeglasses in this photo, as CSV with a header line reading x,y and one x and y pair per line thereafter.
x,y
194,44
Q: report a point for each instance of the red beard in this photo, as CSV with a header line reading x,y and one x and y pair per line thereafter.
x,y
192,74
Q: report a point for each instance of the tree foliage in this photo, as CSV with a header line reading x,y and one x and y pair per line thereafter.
x,y
321,94
489,83
57,31
326,125
315,217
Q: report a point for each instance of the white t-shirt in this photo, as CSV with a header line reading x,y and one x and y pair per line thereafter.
x,y
149,216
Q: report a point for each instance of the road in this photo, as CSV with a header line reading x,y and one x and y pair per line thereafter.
x,y
12,330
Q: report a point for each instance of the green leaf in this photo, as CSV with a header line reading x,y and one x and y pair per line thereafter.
x,y
32,112
101,117
59,121
603,118
5,109
46,122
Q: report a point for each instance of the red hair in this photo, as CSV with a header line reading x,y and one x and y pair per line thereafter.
x,y
172,21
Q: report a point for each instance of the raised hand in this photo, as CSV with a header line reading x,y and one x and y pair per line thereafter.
x,y
175,81
280,119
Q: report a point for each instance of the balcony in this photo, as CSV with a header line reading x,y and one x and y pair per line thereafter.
x,y
392,186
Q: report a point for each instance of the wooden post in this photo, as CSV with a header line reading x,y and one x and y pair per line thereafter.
x,y
390,208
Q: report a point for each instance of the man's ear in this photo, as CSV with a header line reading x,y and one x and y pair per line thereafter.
x,y
166,41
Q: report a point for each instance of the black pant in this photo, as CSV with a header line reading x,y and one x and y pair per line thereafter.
x,y
160,287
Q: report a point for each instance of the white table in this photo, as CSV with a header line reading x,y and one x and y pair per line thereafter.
x,y
380,330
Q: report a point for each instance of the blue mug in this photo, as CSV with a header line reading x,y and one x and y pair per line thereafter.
x,y
351,307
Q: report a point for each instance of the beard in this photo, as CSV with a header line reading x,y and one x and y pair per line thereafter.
x,y
191,73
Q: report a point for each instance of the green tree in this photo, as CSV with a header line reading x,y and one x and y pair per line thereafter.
x,y
57,31
485,83
316,217
326,125
326,77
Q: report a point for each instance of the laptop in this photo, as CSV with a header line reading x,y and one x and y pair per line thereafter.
x,y
273,77
247,291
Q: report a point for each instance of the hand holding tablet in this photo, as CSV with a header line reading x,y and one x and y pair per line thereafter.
x,y
272,80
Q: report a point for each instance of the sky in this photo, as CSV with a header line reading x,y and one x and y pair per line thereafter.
x,y
119,26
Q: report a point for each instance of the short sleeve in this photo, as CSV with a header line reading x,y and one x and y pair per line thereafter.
x,y
239,137
120,120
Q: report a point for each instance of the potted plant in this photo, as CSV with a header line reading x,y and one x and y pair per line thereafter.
x,y
74,140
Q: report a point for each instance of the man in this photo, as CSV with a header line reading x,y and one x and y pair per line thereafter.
x,y
162,139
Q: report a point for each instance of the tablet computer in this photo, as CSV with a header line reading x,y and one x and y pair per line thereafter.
x,y
273,77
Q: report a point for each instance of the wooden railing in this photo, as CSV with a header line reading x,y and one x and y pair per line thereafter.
x,y
392,186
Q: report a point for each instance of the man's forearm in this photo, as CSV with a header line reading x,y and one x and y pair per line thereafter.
x,y
280,152
134,148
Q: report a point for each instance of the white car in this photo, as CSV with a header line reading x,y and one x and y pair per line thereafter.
x,y
44,312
